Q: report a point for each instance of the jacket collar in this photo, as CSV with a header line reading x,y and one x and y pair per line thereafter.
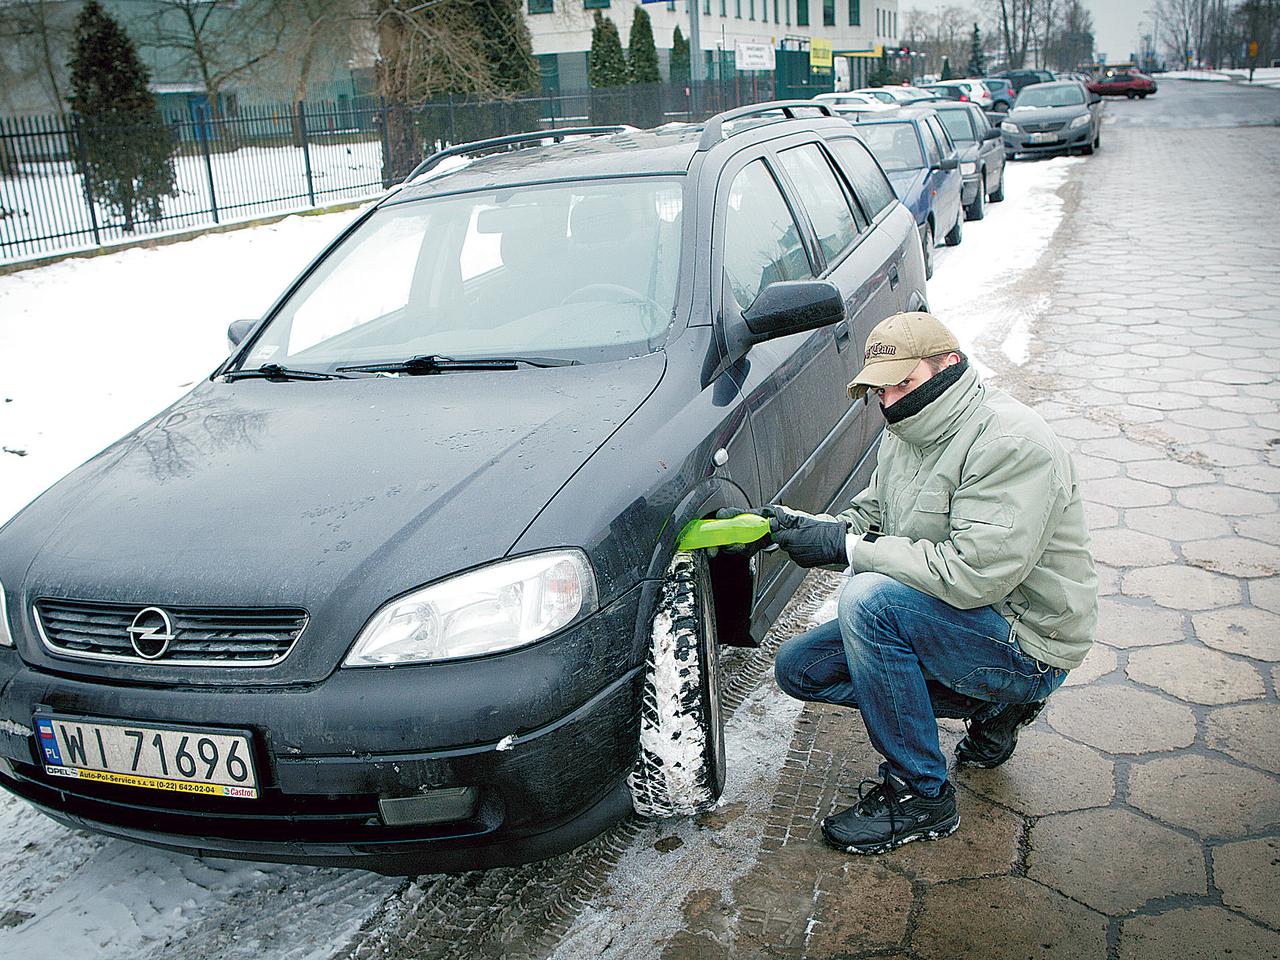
x,y
943,417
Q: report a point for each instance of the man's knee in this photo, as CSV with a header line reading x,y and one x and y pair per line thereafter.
x,y
789,664
863,599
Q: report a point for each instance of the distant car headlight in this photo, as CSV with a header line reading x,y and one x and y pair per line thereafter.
x,y
1008,126
499,607
968,169
6,634
1079,122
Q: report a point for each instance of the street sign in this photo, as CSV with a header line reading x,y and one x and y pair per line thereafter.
x,y
753,56
1253,49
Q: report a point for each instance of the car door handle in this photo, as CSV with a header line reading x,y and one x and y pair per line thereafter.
x,y
842,334
893,278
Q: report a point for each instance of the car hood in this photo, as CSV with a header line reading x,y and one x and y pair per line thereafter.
x,y
332,496
1025,115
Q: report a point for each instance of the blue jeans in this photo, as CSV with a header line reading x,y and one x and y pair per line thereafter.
x,y
903,659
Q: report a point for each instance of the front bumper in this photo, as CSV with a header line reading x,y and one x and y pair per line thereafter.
x,y
1064,139
549,789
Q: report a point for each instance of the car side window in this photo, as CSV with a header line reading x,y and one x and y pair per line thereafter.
x,y
821,196
932,154
946,145
761,240
865,176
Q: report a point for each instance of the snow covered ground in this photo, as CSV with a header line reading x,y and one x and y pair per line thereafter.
x,y
1262,76
91,347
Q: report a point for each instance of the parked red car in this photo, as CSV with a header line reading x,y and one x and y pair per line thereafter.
x,y
1129,85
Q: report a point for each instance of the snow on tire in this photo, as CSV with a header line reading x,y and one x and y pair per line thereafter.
x,y
681,767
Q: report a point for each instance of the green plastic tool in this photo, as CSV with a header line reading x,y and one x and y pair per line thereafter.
x,y
701,534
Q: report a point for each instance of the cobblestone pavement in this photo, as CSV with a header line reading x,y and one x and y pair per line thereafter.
x,y
1140,816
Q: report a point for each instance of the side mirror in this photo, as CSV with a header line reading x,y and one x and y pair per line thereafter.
x,y
949,163
237,331
786,307
1095,98
991,133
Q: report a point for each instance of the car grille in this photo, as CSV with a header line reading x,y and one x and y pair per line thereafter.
x,y
212,636
1042,127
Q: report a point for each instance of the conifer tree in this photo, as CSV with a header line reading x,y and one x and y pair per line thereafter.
x,y
509,47
680,59
977,59
127,148
607,66
947,74
642,55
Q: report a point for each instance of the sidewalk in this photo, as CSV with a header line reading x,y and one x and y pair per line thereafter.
x,y
1140,817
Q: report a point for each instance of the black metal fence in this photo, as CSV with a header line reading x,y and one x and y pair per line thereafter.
x,y
276,158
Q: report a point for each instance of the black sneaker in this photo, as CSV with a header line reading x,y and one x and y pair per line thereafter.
x,y
889,815
990,743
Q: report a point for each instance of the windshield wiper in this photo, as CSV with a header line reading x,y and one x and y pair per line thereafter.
x,y
273,371
426,363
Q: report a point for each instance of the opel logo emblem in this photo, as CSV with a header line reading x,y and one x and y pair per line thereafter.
x,y
150,633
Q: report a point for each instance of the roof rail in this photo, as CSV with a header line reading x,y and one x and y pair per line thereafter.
x,y
475,146
713,131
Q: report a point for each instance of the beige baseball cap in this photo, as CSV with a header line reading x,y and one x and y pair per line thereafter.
x,y
896,345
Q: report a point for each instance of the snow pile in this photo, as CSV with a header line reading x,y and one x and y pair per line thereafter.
x,y
1217,76
1262,76
974,289
91,347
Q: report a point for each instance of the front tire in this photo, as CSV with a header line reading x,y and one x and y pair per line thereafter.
x,y
681,766
927,244
998,195
978,208
956,233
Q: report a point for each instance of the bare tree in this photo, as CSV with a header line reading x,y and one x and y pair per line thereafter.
x,y
944,34
1178,18
1015,22
1071,42
308,26
222,41
39,33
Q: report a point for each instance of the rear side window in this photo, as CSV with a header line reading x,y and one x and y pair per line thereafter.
x,y
865,176
957,123
932,152
761,240
822,197
945,145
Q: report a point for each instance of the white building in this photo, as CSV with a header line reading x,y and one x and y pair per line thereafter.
x,y
562,30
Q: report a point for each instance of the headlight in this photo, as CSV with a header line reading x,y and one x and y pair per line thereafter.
x,y
1078,122
6,637
968,169
499,607
1008,126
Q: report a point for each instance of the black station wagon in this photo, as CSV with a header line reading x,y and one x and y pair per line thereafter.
x,y
397,586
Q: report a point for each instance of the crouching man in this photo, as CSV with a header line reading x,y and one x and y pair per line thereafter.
x,y
972,590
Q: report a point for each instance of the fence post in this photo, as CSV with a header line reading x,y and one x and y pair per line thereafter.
x,y
306,153
386,142
83,160
452,139
202,132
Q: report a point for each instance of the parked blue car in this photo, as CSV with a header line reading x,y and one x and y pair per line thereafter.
x,y
924,167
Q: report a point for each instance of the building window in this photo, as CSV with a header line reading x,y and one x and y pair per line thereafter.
x,y
855,13
802,13
787,4
775,12
706,7
828,13
541,6
724,8
595,4
751,6
737,9
895,23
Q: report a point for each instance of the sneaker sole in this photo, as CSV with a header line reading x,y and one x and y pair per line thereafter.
x,y
868,851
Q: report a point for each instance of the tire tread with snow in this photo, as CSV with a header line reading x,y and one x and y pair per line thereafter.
x,y
680,768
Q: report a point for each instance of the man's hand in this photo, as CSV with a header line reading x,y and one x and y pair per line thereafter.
x,y
809,541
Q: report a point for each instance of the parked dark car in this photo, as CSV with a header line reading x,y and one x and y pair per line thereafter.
x,y
981,151
397,585
924,167
1002,93
1053,117
1131,84
1024,78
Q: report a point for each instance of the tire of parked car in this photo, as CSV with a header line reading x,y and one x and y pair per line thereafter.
x,y
680,769
927,244
978,208
997,195
956,233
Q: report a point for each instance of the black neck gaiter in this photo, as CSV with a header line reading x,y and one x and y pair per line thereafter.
x,y
925,394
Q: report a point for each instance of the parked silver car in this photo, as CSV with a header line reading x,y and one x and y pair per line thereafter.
x,y
1052,118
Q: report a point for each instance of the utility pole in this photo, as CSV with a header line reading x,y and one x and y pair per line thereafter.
x,y
698,62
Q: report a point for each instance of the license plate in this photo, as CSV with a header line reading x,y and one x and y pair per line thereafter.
x,y
1042,137
179,759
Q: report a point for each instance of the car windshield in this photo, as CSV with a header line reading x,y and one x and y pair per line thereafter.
x,y
582,271
959,124
895,145
1039,95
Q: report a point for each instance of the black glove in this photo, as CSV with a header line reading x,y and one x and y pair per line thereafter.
x,y
809,541
743,549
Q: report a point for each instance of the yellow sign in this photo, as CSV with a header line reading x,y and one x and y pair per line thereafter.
x,y
153,783
876,51
819,54
1253,48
